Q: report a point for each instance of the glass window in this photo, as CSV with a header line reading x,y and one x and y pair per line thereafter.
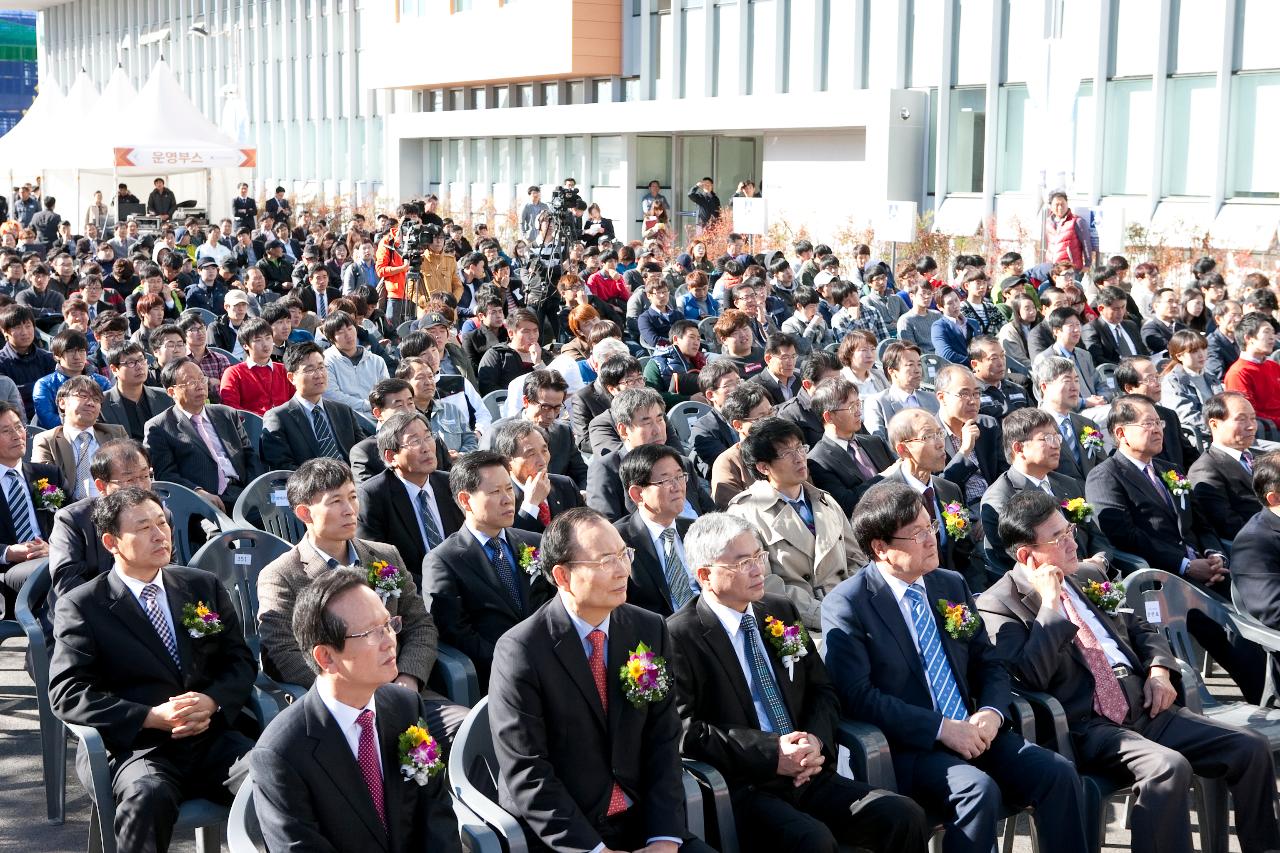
x,y
726,82
603,91
933,141
1187,147
456,98
1127,152
437,100
528,175
1024,40
461,5
973,43
479,170
1084,144
967,131
1259,20
502,161
1253,170
606,161
577,91
574,152
435,161
551,164
502,97
1196,31
455,161
550,94
631,89
1012,166
526,95
479,98
653,160
763,67
1133,50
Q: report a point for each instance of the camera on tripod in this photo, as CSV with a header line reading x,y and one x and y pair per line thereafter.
x,y
414,241
564,202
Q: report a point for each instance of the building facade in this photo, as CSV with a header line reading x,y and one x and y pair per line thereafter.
x,y
1153,113
17,66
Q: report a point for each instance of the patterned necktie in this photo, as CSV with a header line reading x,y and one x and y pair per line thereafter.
x,y
802,508
506,574
677,576
976,485
930,500
911,402
368,759
211,442
428,521
1108,696
19,508
152,608
762,675
1069,440
83,458
324,435
1246,459
860,459
942,683
617,800
544,513
1122,338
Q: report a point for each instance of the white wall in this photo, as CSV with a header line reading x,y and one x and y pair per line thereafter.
x,y
814,178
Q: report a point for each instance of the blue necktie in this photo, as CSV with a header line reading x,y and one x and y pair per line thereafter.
x,y
16,493
1069,440
324,435
942,683
762,675
803,510
506,574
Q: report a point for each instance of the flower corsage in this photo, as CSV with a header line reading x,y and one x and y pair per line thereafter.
x,y
956,518
530,561
1179,486
958,620
1091,440
387,580
1077,511
644,677
790,641
199,620
1107,596
420,754
48,496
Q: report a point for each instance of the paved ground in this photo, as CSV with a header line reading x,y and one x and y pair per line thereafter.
x,y
22,809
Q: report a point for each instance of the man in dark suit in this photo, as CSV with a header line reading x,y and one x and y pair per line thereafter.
x,y
711,434
917,438
592,765
818,366
846,461
655,480
202,447
1222,478
936,689
1157,331
778,758
639,416
130,402
26,513
315,769
386,397
1137,375
779,377
409,505
1255,555
1033,447
308,426
76,552
125,662
618,372
605,438
1111,337
478,582
542,403
972,441
540,495
318,295
1224,350
1082,444
1114,674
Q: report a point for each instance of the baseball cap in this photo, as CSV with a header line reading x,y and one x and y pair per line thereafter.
x,y
273,244
235,296
207,262
435,318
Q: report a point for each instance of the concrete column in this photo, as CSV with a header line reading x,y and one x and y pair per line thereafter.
x,y
1225,68
1160,99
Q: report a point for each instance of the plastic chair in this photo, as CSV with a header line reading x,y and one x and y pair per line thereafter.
x,y
252,423
454,676
707,330
236,557
1106,374
231,358
493,401
682,416
244,834
366,423
203,817
264,505
53,740
32,432
206,316
930,364
405,328
183,504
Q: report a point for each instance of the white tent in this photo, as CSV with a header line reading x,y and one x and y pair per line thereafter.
x,y
21,149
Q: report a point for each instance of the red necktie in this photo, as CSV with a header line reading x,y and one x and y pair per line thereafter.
x,y
544,513
368,759
617,800
1108,696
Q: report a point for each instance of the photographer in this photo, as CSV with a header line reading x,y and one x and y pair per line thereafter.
x,y
392,272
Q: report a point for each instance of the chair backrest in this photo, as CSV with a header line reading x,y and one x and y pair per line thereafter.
x,y
367,423
1107,375
183,504
682,416
1165,600
231,358
880,348
206,316
252,427
930,364
404,328
473,776
32,432
264,505
493,401
236,557
244,833
707,329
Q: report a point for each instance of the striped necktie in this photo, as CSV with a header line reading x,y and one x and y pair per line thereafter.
x,y
19,507
324,435
942,682
762,675
677,576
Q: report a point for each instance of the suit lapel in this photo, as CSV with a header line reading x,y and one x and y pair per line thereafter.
x,y
64,456
647,556
572,656
1150,489
334,756
886,607
303,426
722,650
179,594
485,569
400,503
188,428
127,609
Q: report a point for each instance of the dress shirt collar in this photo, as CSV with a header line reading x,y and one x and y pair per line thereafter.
x,y
351,560
71,433
1230,451
581,625
656,530
482,538
1141,466
135,586
307,405
343,713
184,413
413,489
729,618
896,584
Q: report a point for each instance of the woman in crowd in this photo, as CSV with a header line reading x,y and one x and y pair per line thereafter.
x,y
1185,388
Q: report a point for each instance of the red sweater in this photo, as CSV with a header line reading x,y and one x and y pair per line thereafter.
x,y
1259,382
255,389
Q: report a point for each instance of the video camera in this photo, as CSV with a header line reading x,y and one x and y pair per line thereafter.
x,y
413,242
565,225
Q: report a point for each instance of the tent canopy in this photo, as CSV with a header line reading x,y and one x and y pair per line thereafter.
x,y
22,149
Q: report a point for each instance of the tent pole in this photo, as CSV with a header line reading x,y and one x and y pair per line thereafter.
x,y
208,195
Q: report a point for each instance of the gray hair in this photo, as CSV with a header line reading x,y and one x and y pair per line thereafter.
x,y
391,430
627,403
1051,368
707,537
948,375
902,425
507,437
607,348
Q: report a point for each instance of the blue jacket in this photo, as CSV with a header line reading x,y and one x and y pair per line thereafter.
x,y
45,396
655,327
950,343
26,370
689,307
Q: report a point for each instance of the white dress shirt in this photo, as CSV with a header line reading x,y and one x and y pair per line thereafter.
x,y
432,507
655,535
731,621
31,501
345,716
1115,657
136,586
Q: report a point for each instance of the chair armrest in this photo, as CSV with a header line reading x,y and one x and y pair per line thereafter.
x,y
1127,563
477,837
1047,709
1191,687
455,676
713,783
25,612
869,757
99,774
1024,718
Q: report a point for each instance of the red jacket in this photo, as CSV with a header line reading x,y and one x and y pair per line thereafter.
x,y
1068,240
255,389
1260,382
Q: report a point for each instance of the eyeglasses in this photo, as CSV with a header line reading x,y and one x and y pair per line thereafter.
x,y
929,437
921,536
135,478
85,398
194,383
622,558
14,431
968,395
758,560
852,407
133,362
173,345
631,382
796,454
1150,426
550,408
391,627
785,356
311,371
678,480
1050,439
1057,541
